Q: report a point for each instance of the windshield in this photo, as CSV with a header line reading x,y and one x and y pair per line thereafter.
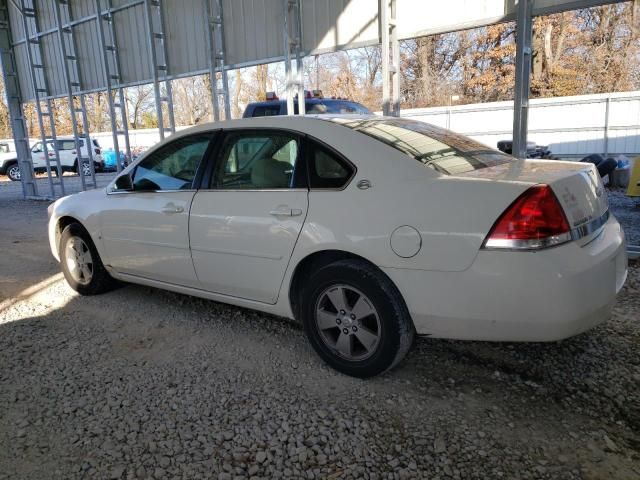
x,y
437,148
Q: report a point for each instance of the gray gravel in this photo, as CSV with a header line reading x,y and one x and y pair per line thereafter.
x,y
627,211
13,190
140,383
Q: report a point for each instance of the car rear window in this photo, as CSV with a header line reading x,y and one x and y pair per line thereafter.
x,y
444,151
335,107
266,111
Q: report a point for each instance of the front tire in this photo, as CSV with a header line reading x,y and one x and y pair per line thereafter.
x,y
356,319
13,172
81,263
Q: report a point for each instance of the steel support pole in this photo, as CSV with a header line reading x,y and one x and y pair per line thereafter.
x,y
107,74
390,58
523,78
14,102
606,127
297,7
292,46
124,118
217,52
37,73
70,56
153,37
154,68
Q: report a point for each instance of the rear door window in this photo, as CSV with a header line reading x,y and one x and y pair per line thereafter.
x,y
258,160
327,169
67,144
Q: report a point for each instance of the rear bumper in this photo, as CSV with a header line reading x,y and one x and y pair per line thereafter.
x,y
520,296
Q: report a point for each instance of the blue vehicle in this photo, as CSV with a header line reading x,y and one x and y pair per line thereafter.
x,y
109,160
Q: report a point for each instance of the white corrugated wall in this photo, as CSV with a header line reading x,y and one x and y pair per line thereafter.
x,y
570,126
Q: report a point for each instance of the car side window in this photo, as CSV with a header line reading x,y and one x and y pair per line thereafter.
x,y
173,167
257,161
67,144
266,111
327,169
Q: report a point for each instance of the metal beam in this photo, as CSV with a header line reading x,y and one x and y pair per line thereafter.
x,y
14,102
155,35
40,84
390,58
73,80
293,60
523,78
217,60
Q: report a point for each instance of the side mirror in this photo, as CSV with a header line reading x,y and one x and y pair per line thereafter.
x,y
124,183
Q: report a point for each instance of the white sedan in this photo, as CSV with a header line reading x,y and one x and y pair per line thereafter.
x,y
369,230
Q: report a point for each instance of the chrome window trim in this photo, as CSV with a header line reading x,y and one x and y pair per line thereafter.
x,y
255,190
121,192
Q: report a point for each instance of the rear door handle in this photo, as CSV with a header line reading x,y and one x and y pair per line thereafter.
x,y
286,212
171,208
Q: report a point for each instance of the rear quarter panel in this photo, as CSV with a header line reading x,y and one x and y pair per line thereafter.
x,y
453,215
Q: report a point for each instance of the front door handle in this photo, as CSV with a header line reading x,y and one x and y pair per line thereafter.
x,y
171,208
286,212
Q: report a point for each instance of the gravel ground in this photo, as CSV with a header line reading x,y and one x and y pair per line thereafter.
x,y
141,383
627,211
72,184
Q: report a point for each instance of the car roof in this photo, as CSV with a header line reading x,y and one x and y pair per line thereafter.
x,y
267,103
276,121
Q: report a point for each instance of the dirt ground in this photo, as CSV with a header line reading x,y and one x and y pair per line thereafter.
x,y
141,383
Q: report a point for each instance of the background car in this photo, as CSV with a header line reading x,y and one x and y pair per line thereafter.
x,y
315,104
9,162
109,160
368,230
66,147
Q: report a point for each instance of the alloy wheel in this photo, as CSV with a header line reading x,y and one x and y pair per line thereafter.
x,y
348,322
79,260
14,172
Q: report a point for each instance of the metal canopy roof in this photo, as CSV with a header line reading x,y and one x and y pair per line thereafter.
x,y
253,32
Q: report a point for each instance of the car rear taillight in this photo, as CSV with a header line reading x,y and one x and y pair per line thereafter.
x,y
535,220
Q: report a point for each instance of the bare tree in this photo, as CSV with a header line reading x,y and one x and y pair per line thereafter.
x,y
138,100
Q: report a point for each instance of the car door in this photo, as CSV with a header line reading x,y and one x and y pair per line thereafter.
x,y
67,152
145,230
38,153
244,227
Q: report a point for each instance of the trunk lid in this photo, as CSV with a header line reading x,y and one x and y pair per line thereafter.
x,y
578,186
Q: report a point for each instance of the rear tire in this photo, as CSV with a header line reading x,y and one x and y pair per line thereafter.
x,y
81,263
13,172
356,319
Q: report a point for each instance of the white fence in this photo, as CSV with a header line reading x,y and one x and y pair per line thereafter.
x,y
141,138
571,126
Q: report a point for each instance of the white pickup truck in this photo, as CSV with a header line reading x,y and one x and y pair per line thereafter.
x,y
9,162
68,157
